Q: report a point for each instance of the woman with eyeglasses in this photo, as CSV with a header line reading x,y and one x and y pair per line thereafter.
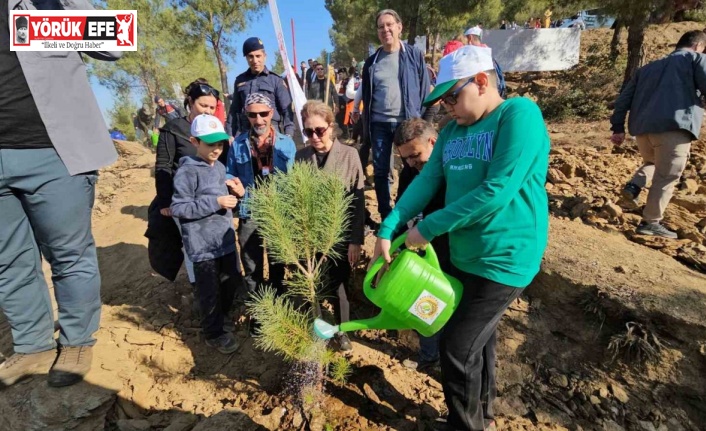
x,y
330,155
174,144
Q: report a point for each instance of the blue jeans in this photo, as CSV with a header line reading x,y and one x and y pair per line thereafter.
x,y
429,347
45,210
381,135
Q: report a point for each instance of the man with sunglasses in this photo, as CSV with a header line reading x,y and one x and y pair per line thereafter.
x,y
258,79
395,82
261,152
493,160
317,89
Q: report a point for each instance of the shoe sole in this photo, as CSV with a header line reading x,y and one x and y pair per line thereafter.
x,y
650,233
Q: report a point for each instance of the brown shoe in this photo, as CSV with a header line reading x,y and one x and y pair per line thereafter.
x,y
20,366
71,366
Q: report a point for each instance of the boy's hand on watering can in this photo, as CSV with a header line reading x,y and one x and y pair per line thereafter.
x,y
415,239
382,248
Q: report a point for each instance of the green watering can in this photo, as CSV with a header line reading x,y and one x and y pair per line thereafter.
x,y
413,294
154,137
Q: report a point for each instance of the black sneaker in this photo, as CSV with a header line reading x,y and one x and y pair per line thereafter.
x,y
226,343
631,193
344,343
655,229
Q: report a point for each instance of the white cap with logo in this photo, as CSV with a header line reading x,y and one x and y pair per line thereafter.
x,y
474,31
462,63
208,129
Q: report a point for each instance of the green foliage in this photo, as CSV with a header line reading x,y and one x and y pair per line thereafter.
x,y
565,102
217,22
278,66
340,370
301,215
166,54
121,117
284,329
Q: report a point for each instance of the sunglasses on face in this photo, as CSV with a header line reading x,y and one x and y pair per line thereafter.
x,y
261,114
452,98
318,130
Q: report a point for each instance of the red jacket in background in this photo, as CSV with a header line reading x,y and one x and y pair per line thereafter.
x,y
220,112
452,46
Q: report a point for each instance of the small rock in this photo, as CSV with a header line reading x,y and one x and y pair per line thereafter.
x,y
555,176
619,393
621,270
611,426
646,426
133,425
580,210
370,393
613,210
701,225
559,380
183,422
297,420
701,190
690,186
595,400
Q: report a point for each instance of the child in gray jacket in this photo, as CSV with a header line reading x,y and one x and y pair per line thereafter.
x,y
203,206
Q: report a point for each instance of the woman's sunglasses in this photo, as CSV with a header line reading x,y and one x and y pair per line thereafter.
x,y
261,114
452,98
318,130
204,90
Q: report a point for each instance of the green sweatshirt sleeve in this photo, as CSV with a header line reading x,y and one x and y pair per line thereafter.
x,y
419,193
521,138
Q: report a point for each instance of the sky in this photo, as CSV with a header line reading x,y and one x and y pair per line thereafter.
x,y
311,20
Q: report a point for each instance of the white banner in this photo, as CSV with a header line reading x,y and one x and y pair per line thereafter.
x,y
295,89
64,30
530,50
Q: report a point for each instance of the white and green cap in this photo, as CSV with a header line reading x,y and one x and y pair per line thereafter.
x,y
208,129
462,63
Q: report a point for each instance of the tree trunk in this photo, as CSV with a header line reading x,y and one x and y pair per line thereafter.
x,y
615,42
636,51
223,70
433,50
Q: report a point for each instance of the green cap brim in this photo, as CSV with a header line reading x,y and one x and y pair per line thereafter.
x,y
439,91
214,138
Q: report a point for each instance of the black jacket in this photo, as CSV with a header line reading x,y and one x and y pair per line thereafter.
x,y
164,245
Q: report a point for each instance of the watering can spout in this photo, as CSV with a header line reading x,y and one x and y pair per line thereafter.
x,y
381,321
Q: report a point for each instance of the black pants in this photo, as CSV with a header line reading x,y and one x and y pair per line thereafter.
x,y
252,254
216,283
468,351
337,271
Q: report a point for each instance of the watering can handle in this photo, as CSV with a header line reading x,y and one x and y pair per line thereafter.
x,y
429,256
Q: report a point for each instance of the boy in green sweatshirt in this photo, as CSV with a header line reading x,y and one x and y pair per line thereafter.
x,y
493,160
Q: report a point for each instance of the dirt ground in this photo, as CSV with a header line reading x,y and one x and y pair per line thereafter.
x,y
556,370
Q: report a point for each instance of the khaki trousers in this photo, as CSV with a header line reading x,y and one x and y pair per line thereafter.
x,y
665,155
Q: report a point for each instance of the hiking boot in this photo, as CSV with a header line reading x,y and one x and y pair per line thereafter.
x,y
228,325
226,343
655,229
22,365
344,343
419,365
631,193
72,365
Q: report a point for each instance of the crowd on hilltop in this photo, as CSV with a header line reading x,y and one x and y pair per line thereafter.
x,y
474,187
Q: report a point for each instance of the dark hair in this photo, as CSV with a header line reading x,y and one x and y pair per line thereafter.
x,y
196,89
351,70
691,38
412,129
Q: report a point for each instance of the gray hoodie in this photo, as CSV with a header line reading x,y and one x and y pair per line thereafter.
x,y
207,229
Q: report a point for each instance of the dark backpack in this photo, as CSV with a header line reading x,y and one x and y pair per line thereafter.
x,y
502,87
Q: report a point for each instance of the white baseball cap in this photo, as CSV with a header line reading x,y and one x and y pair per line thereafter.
x,y
208,129
465,62
474,31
